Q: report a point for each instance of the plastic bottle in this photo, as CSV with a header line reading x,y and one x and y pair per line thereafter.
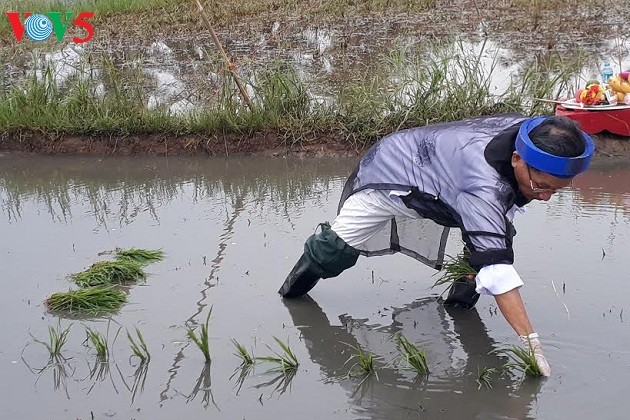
x,y
607,71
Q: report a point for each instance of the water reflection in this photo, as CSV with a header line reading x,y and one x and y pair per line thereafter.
x,y
117,191
457,346
604,188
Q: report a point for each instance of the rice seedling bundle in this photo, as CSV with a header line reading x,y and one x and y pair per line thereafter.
x,y
202,341
140,256
286,362
415,358
454,269
105,273
522,360
93,300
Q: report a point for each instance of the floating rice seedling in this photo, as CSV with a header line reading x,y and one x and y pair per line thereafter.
x,y
139,348
454,269
106,273
286,362
415,358
57,338
364,364
520,359
140,256
202,341
99,342
483,377
92,300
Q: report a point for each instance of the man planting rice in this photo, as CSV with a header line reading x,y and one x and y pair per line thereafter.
x,y
413,185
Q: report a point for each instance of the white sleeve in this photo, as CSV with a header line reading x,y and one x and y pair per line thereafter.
x,y
497,279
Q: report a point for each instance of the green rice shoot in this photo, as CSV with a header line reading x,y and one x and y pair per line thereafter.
x,y
364,362
453,270
202,340
99,343
416,358
247,359
92,300
140,256
484,377
57,338
139,348
286,361
521,359
107,273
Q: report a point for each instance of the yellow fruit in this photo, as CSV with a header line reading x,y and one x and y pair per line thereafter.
x,y
615,83
620,96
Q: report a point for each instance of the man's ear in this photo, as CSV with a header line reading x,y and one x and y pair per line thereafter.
x,y
516,158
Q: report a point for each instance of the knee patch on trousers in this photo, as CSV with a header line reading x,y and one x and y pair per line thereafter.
x,y
329,253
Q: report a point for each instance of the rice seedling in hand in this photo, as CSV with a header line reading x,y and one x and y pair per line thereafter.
x,y
57,338
107,273
139,348
415,358
202,341
140,256
92,300
286,362
364,364
454,269
483,377
521,359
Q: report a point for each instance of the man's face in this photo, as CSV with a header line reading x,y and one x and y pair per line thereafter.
x,y
536,185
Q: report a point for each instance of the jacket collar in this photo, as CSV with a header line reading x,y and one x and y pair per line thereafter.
x,y
498,154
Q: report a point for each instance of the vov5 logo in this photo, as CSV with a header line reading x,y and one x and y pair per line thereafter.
x,y
40,26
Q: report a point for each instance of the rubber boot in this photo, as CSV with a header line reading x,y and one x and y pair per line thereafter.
x,y
325,255
302,278
462,294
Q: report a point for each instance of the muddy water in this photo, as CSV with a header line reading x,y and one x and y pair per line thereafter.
x,y
232,228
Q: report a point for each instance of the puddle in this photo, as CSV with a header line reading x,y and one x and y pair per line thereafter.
x,y
232,229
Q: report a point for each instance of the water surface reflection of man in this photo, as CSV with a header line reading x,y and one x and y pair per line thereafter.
x,y
457,346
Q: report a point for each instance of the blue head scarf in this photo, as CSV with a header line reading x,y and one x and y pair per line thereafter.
x,y
559,166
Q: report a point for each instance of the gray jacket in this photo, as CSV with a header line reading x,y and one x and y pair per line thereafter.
x,y
457,174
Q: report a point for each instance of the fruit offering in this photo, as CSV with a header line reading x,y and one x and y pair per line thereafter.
x,y
620,84
593,94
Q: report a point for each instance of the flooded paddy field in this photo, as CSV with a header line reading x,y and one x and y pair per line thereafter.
x,y
231,230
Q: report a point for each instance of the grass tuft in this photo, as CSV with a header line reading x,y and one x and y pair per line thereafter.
x,y
286,361
92,300
415,358
202,341
140,256
106,273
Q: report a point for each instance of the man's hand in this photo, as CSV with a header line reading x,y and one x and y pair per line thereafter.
x,y
532,342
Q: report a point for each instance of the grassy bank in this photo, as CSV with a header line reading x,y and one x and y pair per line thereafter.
x,y
402,89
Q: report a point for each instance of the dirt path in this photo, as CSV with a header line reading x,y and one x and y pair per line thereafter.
x,y
257,144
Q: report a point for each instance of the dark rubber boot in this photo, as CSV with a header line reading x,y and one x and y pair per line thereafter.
x,y
302,278
462,295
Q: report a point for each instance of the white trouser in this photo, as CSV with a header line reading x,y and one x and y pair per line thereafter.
x,y
366,212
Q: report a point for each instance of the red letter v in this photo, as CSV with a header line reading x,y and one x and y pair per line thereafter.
x,y
16,24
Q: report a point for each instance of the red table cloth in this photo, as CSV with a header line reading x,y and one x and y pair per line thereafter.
x,y
614,121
